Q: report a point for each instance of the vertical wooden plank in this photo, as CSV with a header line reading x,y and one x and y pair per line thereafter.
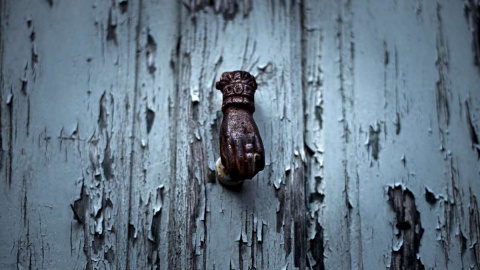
x,y
67,80
263,225
400,159
314,33
423,134
328,75
391,129
154,137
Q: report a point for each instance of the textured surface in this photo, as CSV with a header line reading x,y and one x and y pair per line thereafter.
x,y
369,113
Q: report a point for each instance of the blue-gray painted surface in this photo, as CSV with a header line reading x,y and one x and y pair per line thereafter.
x,y
109,122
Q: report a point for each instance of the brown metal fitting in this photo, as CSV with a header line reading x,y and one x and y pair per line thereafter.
x,y
241,147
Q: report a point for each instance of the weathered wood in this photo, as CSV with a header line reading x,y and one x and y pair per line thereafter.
x,y
67,73
154,137
261,226
397,77
109,131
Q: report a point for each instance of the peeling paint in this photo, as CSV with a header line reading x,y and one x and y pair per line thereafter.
x,y
146,196
123,4
228,9
442,88
102,116
150,51
397,123
80,207
150,118
373,140
474,227
408,229
107,163
472,12
112,27
430,196
471,129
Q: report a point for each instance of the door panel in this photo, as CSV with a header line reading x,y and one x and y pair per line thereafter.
x,y
110,133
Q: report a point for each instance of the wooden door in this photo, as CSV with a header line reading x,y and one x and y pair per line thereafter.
x,y
369,112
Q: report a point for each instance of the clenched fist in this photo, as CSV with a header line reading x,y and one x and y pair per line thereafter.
x,y
241,146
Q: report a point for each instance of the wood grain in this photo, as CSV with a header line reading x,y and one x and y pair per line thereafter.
x,y
109,131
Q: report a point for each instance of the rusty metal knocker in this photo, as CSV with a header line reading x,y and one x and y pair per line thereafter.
x,y
241,147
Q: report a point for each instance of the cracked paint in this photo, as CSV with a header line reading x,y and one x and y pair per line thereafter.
x,y
108,139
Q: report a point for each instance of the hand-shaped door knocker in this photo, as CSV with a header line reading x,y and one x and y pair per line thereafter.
x,y
241,147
